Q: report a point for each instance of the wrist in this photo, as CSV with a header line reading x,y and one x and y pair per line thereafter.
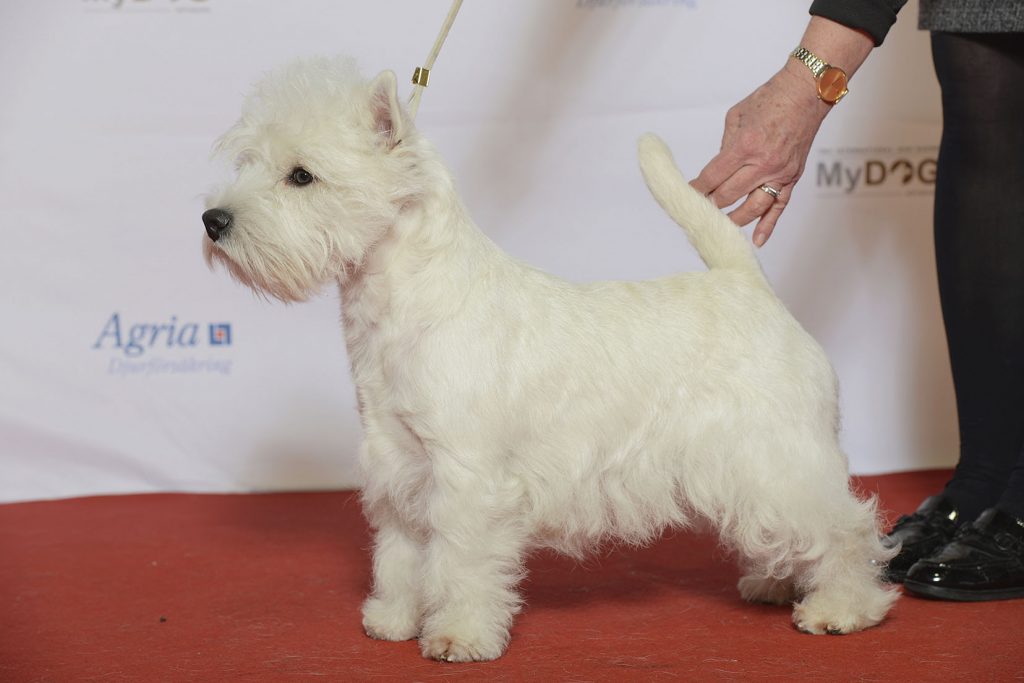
x,y
799,83
828,55
830,81
836,44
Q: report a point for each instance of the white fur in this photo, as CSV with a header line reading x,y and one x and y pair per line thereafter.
x,y
505,409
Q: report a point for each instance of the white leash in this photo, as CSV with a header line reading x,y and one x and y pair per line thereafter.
x,y
422,73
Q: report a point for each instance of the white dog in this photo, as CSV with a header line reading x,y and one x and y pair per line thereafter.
x,y
505,409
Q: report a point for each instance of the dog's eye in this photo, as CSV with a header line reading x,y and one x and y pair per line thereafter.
x,y
300,176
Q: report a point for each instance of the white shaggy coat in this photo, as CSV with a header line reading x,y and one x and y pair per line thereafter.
x,y
505,409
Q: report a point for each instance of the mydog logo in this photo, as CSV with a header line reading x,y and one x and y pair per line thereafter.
x,y
131,341
133,6
876,170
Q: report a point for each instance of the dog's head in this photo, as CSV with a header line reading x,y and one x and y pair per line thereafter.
x,y
324,166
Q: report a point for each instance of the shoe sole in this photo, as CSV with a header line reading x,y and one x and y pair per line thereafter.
x,y
960,594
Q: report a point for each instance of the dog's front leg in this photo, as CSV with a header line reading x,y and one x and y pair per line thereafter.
x,y
395,607
473,563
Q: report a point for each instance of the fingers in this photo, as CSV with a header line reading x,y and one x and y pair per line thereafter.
x,y
738,185
766,226
761,204
715,173
756,205
725,185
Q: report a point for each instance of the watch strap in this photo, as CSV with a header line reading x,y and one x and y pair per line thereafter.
x,y
813,62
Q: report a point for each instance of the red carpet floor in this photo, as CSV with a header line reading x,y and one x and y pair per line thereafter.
x,y
268,587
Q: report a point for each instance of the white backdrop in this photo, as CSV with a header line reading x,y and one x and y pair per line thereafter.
x,y
125,365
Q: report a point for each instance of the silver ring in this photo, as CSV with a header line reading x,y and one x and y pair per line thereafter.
x,y
771,190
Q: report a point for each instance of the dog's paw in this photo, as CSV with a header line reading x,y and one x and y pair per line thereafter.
x,y
464,636
389,621
819,613
767,590
452,648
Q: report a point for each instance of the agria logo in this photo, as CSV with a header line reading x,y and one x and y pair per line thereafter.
x,y
220,334
142,348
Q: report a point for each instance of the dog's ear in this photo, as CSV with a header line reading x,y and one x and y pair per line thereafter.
x,y
388,115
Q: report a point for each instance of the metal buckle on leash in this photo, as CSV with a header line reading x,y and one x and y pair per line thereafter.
x,y
420,76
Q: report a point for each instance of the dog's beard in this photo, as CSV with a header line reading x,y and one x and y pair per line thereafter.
x,y
276,277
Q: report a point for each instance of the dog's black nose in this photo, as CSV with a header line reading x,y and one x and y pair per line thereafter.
x,y
217,222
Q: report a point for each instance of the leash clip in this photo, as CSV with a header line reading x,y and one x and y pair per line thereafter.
x,y
420,76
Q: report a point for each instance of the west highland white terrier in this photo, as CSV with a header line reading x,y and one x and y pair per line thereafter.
x,y
505,409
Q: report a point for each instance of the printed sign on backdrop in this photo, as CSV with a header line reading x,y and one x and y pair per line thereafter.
x,y
126,365
876,171
172,346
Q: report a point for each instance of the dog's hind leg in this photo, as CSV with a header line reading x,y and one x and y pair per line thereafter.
x,y
394,609
842,589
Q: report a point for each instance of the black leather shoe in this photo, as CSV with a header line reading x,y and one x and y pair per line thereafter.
x,y
921,534
984,561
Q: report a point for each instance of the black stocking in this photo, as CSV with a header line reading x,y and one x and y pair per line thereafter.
x,y
979,247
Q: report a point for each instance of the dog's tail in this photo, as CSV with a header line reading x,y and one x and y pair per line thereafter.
x,y
717,240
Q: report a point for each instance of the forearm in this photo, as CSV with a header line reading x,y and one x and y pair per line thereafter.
x,y
874,17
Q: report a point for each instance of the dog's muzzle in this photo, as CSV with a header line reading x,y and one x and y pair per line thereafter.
x,y
217,222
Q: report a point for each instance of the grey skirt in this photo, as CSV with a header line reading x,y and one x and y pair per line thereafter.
x,y
972,16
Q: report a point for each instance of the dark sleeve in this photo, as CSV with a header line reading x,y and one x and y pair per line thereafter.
x,y
874,17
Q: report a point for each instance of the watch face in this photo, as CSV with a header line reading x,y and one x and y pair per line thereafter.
x,y
832,84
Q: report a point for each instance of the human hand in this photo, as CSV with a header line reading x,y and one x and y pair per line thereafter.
x,y
767,139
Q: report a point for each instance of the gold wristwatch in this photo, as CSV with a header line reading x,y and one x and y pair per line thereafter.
x,y
831,80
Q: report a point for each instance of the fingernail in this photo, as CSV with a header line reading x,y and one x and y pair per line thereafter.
x,y
759,240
